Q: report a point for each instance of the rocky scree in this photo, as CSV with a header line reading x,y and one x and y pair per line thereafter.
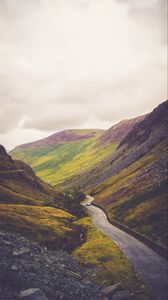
x,y
29,271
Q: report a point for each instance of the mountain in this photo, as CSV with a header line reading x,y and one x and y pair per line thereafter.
x,y
64,136
117,132
19,184
27,205
125,168
68,154
133,186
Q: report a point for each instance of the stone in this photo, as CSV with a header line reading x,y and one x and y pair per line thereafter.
x,y
111,289
32,294
59,295
2,233
14,268
23,250
7,243
122,295
74,274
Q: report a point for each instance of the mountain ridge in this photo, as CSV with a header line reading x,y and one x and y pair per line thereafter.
x,y
68,135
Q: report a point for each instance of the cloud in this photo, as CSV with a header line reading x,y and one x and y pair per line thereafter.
x,y
153,13
67,62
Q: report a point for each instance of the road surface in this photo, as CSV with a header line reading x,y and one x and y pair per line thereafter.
x,y
152,268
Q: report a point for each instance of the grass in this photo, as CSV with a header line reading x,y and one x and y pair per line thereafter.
x,y
25,190
123,178
150,218
110,263
56,164
131,198
50,226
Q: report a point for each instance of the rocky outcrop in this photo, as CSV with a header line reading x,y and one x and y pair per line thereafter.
x,y
6,162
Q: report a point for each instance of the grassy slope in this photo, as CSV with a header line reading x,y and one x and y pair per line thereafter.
x,y
24,206
65,160
135,201
50,226
111,265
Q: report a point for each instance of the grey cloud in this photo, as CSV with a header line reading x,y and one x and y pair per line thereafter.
x,y
64,63
153,13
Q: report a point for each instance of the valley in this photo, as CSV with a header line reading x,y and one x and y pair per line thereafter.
x,y
43,183
38,216
124,168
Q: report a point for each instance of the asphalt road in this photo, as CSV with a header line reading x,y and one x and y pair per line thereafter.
x,y
152,268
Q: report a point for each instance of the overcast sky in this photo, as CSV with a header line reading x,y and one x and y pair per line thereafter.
x,y
78,64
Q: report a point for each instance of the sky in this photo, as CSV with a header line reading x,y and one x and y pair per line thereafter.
x,y
78,64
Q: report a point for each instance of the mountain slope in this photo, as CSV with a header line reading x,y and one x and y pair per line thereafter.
x,y
117,132
27,206
66,155
134,189
18,183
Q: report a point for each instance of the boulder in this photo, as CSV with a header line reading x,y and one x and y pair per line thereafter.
x,y
14,268
59,295
111,289
21,251
32,294
122,295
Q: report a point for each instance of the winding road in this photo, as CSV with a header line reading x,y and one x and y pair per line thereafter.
x,y
151,267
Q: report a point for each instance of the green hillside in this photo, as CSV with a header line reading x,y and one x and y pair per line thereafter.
x,y
59,162
27,205
67,155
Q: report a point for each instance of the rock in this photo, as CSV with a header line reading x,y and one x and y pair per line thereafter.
x,y
59,295
14,268
88,282
122,295
7,243
111,290
74,274
32,294
22,251
2,233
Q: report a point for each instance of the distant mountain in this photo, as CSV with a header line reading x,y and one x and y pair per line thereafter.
x,y
70,153
65,136
125,168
